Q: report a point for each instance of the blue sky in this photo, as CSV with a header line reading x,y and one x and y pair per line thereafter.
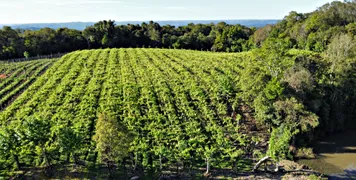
x,y
40,11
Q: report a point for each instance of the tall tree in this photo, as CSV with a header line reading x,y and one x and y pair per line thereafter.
x,y
112,140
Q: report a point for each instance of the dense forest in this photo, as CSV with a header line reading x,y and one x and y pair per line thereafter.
x,y
156,109
104,34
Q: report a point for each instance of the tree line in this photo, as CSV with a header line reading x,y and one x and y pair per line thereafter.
x,y
329,34
16,43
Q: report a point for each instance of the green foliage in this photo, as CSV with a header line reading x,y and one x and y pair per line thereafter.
x,y
337,76
36,130
267,67
273,53
267,93
299,79
18,77
314,177
105,41
10,149
68,141
292,113
273,89
351,29
261,35
299,52
278,147
251,87
291,118
313,31
341,54
112,140
35,134
174,116
221,37
26,54
10,43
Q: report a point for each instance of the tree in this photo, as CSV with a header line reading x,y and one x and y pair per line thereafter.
x,y
10,43
291,118
101,34
261,34
42,41
26,54
274,55
68,40
220,43
351,29
105,41
340,54
112,140
341,59
299,79
89,34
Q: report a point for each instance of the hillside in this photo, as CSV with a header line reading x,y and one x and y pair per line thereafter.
x,y
191,94
16,77
176,108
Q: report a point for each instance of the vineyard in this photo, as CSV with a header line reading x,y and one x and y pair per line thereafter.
x,y
16,77
203,101
180,105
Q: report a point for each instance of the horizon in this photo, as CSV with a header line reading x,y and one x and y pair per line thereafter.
x,y
181,20
51,11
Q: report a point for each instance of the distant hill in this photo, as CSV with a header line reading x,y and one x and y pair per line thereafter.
x,y
37,26
83,25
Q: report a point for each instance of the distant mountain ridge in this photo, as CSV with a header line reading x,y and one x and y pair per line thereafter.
x,y
82,25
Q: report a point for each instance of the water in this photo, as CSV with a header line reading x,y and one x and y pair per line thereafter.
x,y
336,156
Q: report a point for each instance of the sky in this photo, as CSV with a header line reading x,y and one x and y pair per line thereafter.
x,y
49,11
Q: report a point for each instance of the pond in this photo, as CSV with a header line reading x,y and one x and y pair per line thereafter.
x,y
336,156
